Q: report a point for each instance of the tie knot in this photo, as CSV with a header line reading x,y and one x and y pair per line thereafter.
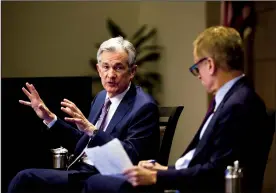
x,y
107,100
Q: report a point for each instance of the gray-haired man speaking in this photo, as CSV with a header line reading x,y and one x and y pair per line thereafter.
x,y
122,110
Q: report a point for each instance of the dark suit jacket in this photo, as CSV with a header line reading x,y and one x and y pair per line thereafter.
x,y
237,131
135,123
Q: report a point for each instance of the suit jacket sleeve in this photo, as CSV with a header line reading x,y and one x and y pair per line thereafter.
x,y
142,137
226,142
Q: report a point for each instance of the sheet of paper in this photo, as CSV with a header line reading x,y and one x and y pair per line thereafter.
x,y
110,158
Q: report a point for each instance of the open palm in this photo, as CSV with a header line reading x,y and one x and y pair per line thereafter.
x,y
77,116
36,103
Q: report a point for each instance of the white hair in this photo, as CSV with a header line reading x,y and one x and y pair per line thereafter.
x,y
117,44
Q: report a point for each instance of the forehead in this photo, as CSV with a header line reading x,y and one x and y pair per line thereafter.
x,y
113,57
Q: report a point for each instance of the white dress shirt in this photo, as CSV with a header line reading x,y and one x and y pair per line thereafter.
x,y
115,101
184,161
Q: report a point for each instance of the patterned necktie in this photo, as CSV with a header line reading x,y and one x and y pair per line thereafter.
x,y
102,118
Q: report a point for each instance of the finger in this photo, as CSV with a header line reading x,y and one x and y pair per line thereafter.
x,y
141,163
66,104
73,120
68,101
72,105
126,172
79,121
26,93
133,174
148,165
134,182
68,111
25,103
129,170
29,87
72,113
130,180
32,89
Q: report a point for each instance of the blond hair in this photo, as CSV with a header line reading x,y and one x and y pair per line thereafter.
x,y
223,44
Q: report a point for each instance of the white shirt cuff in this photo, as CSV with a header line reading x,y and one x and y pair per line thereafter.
x,y
49,125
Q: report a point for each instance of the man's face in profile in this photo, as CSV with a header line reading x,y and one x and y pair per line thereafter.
x,y
114,72
204,71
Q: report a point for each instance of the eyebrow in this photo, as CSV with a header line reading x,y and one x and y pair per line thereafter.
x,y
116,64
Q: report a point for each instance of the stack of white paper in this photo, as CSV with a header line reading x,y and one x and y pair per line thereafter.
x,y
110,158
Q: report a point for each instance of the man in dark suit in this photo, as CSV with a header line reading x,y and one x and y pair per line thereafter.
x,y
120,111
234,128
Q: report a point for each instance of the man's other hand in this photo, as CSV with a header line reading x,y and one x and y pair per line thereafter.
x,y
139,176
77,117
149,164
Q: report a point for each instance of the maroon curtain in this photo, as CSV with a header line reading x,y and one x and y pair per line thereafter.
x,y
241,15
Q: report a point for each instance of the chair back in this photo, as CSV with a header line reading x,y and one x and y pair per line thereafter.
x,y
271,122
269,182
168,120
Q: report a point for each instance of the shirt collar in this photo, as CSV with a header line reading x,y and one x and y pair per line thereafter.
x,y
118,97
224,89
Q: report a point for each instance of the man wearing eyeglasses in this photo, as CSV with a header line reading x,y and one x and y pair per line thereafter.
x,y
234,128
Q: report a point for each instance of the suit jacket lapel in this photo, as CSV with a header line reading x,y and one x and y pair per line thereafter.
x,y
122,109
96,109
211,125
193,143
208,131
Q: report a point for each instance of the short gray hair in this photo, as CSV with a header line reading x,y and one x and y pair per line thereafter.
x,y
116,44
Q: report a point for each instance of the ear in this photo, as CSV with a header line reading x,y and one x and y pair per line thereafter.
x,y
98,69
133,71
211,66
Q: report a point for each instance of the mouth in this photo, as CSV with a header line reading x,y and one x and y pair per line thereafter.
x,y
111,83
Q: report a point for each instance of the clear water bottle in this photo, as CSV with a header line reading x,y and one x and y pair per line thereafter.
x,y
233,178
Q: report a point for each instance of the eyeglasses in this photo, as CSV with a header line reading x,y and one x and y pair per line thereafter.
x,y
194,68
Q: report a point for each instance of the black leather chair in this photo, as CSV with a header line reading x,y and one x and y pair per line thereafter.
x,y
168,121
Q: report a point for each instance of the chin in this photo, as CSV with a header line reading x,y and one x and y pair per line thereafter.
x,y
112,91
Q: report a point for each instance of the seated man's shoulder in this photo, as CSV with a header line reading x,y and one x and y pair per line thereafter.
x,y
245,101
246,96
143,98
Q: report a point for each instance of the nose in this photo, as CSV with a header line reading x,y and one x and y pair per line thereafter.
x,y
199,77
111,73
